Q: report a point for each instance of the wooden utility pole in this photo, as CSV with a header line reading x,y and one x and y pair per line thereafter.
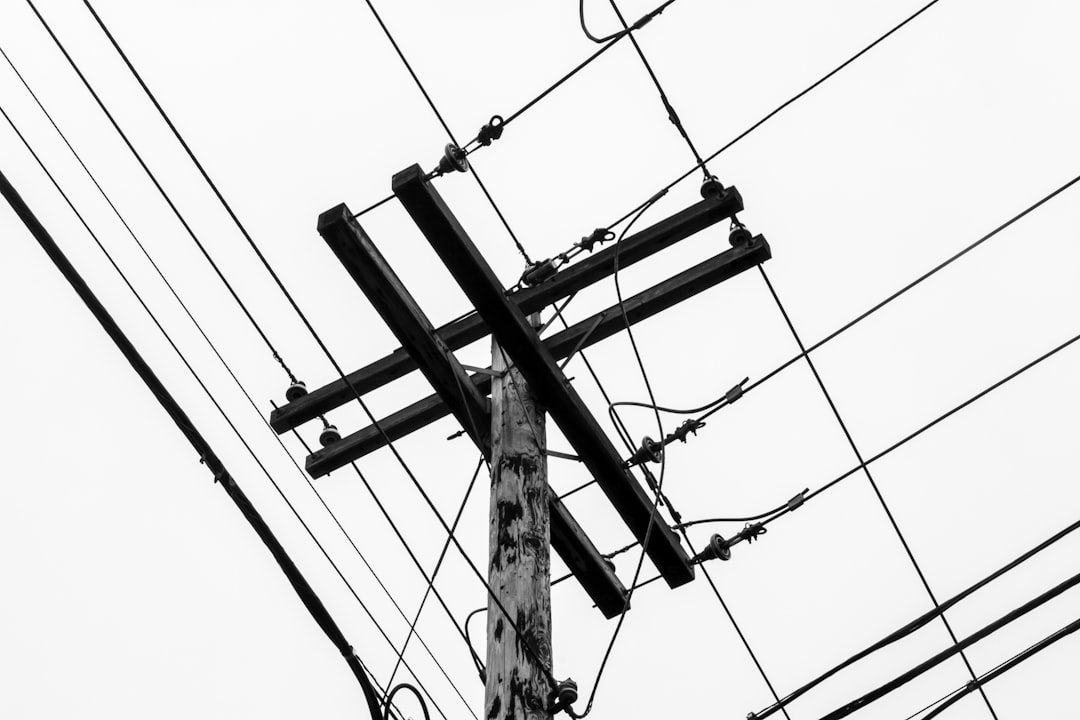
x,y
519,569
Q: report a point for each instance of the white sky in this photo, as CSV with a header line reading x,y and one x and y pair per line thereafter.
x,y
132,587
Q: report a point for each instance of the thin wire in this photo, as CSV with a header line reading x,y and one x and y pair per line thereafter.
x,y
326,350
922,620
434,573
258,328
791,100
449,133
873,483
207,392
210,343
672,115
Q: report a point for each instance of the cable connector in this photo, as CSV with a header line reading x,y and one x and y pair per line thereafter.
x,y
797,500
690,427
563,696
491,132
598,236
736,392
539,272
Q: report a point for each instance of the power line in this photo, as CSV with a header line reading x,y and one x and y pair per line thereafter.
x,y
870,478
920,621
168,200
201,384
449,133
302,588
789,101
1004,667
335,364
672,115
215,350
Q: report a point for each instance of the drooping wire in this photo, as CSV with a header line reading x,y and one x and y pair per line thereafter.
x,y
168,200
626,29
920,621
870,479
333,361
211,345
789,101
205,389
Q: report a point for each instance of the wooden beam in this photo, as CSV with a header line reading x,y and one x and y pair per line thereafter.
x,y
581,335
460,333
414,331
456,391
520,341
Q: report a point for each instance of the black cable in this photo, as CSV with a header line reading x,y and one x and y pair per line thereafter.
x,y
920,621
434,573
911,436
476,661
204,388
870,478
449,133
791,100
414,691
626,28
168,200
210,343
935,660
672,115
1004,667
326,350
303,589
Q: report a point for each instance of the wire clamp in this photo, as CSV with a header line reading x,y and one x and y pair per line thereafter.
x,y
563,696
690,427
598,236
539,272
736,392
797,500
492,131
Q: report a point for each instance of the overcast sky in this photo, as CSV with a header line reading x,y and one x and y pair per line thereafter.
x,y
132,588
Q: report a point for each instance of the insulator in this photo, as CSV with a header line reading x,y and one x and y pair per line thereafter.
x,y
739,236
329,436
650,451
711,188
719,547
563,696
296,391
453,159
539,272
610,563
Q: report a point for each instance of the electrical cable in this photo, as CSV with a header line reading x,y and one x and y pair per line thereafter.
x,y
936,659
873,483
211,345
414,691
204,388
920,621
168,200
168,403
653,518
672,115
789,101
449,133
323,346
434,573
1004,667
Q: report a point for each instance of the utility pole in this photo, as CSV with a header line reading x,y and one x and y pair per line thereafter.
x,y
519,569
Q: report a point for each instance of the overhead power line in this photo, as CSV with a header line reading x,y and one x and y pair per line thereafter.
x,y
303,589
873,483
205,389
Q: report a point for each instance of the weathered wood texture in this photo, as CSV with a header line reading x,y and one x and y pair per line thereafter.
x,y
579,336
519,568
459,333
521,343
